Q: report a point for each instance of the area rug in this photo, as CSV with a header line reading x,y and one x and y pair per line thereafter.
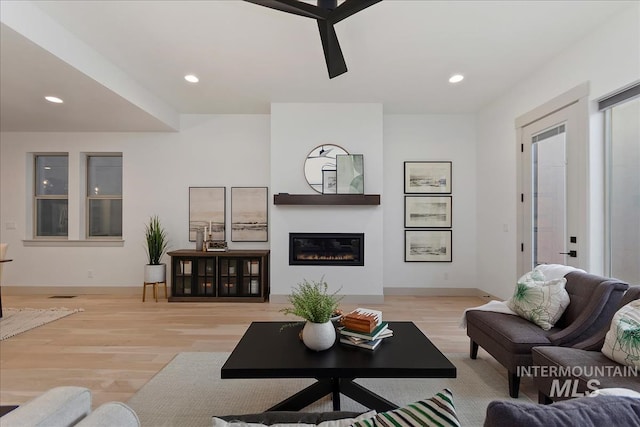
x,y
189,391
15,321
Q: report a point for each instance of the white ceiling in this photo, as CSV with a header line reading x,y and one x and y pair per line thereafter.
x,y
119,65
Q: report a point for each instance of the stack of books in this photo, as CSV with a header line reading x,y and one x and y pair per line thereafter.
x,y
364,328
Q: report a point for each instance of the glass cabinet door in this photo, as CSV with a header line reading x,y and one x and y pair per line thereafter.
x,y
183,276
206,276
251,277
228,284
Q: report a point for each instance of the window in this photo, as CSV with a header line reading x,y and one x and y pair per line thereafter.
x,y
104,195
51,195
622,136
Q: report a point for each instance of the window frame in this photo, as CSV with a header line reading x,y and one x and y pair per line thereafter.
x,y
606,105
88,198
37,197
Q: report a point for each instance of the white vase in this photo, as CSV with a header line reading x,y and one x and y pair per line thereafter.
x,y
319,336
155,273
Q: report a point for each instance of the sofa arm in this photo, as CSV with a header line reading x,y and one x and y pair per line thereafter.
x,y
111,414
59,406
596,315
595,342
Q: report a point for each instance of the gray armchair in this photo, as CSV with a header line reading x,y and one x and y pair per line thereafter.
x,y
509,339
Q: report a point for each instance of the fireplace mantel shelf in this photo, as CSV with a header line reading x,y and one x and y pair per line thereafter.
x,y
326,199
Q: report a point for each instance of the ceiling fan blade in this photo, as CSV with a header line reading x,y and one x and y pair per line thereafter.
x,y
348,8
295,7
332,52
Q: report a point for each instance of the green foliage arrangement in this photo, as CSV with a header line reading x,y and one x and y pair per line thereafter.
x,y
311,301
156,240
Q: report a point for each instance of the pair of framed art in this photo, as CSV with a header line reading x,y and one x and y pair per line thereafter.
x,y
249,210
427,211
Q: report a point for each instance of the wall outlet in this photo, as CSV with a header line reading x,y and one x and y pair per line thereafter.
x,y
10,225
90,274
446,276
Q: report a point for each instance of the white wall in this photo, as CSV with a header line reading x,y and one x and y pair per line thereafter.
x,y
238,151
295,130
608,58
261,150
158,169
430,137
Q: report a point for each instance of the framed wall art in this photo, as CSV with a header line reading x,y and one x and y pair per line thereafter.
x,y
249,222
329,182
427,246
427,177
207,208
427,211
350,174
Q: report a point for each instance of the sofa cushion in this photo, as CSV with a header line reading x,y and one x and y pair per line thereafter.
x,y
515,334
538,300
591,365
292,418
622,342
437,411
584,411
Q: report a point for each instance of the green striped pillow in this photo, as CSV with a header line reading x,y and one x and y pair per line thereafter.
x,y
437,411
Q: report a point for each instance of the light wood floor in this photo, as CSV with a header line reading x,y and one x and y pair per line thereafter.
x,y
119,343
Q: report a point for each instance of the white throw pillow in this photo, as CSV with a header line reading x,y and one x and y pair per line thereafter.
x,y
556,271
622,342
539,301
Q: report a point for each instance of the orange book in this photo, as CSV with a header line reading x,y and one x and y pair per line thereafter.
x,y
362,320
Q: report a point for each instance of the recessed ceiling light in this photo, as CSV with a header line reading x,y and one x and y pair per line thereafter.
x,y
54,99
456,78
191,78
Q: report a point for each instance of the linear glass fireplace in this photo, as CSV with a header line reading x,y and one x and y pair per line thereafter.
x,y
326,249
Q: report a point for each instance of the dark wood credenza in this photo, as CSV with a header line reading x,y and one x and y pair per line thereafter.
x,y
232,275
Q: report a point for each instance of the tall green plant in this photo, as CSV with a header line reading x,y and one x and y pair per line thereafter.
x,y
311,301
156,240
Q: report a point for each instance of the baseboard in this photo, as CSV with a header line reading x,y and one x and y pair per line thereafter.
x,y
72,290
352,299
137,290
439,292
420,292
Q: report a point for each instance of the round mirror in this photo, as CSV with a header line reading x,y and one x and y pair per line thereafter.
x,y
323,157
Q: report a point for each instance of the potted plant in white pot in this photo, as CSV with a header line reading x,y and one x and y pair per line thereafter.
x,y
312,302
156,239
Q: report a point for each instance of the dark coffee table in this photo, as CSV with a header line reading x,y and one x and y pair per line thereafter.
x,y
266,351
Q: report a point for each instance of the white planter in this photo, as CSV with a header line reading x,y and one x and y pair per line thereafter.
x,y
319,336
155,273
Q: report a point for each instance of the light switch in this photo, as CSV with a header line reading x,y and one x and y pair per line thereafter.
x,y
10,225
